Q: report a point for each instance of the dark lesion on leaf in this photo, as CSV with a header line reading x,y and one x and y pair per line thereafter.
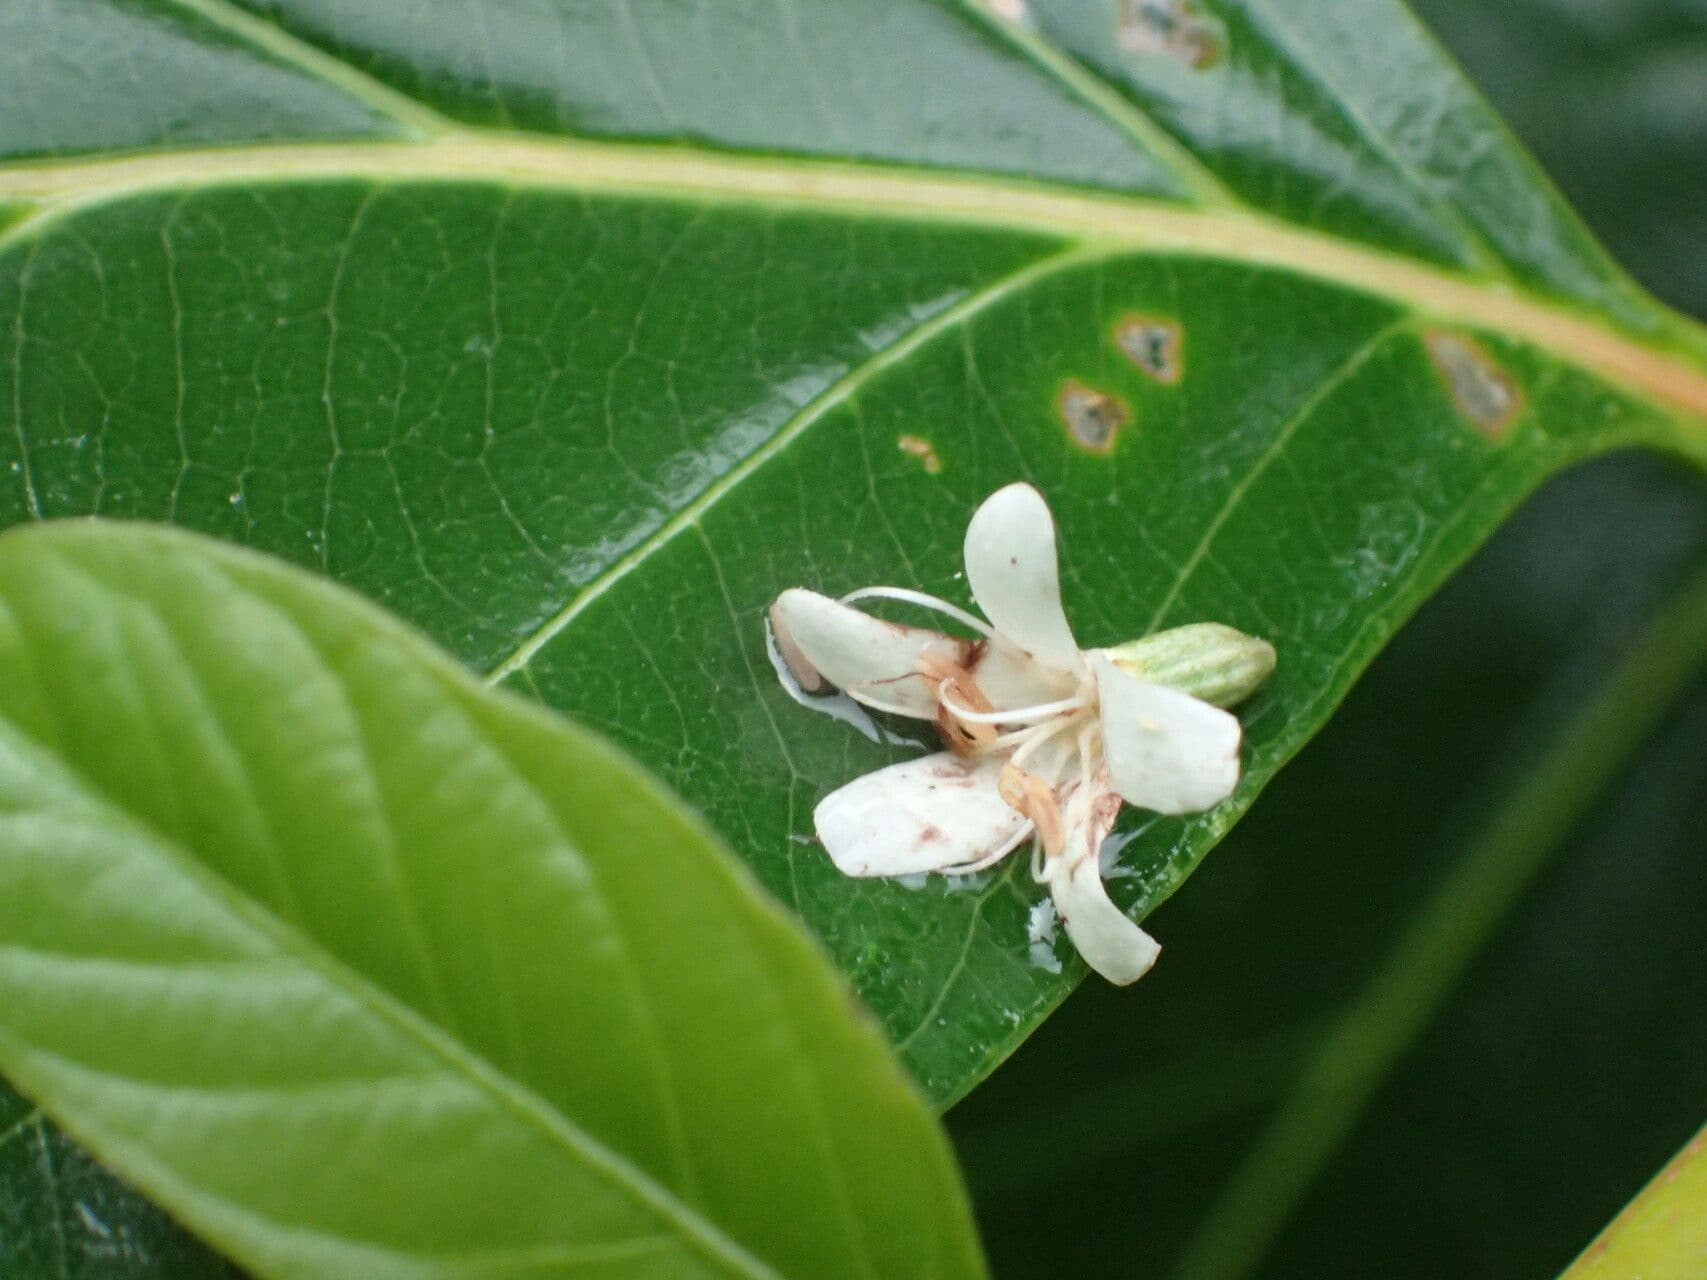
x,y
1152,343
1173,28
1093,418
1479,387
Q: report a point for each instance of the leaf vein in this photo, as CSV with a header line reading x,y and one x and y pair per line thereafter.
x,y
836,394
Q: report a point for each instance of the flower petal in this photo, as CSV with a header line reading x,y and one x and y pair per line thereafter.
x,y
874,661
1010,566
1110,943
931,814
1166,750
1009,678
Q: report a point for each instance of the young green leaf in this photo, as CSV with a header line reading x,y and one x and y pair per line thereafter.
x,y
1662,1233
360,968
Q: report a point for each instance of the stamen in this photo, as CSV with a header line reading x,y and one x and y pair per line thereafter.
x,y
991,859
906,596
1084,797
1013,738
1030,795
963,740
1018,715
1041,734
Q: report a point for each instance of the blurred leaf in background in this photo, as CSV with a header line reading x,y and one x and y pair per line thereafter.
x,y
1612,99
1211,1125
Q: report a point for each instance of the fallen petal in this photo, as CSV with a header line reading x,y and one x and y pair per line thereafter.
x,y
873,661
936,813
1110,943
1167,751
1010,566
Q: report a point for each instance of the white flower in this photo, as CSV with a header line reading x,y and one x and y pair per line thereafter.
x,y
1045,739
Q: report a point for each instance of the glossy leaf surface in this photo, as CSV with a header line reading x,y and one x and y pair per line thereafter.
x,y
364,969
575,333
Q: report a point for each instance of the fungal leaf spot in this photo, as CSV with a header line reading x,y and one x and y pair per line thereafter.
x,y
1092,417
1153,344
1014,11
1169,27
921,449
1480,389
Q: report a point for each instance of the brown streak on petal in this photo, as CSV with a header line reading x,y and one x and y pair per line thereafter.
x,y
807,676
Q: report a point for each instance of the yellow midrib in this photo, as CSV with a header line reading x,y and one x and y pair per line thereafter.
x,y
1116,222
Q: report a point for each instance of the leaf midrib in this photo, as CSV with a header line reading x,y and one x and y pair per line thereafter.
x,y
1659,370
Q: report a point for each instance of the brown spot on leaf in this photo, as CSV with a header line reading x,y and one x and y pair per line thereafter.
x,y
1092,417
1153,344
1173,28
921,449
1480,389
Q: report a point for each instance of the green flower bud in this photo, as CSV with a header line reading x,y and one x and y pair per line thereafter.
x,y
1205,659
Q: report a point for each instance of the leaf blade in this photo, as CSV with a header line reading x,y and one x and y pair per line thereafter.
x,y
537,1115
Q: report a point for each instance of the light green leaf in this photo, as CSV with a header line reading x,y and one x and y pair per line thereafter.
x,y
1662,1233
364,970
574,333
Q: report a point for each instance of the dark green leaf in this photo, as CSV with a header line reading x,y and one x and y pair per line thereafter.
x,y
365,970
1628,151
